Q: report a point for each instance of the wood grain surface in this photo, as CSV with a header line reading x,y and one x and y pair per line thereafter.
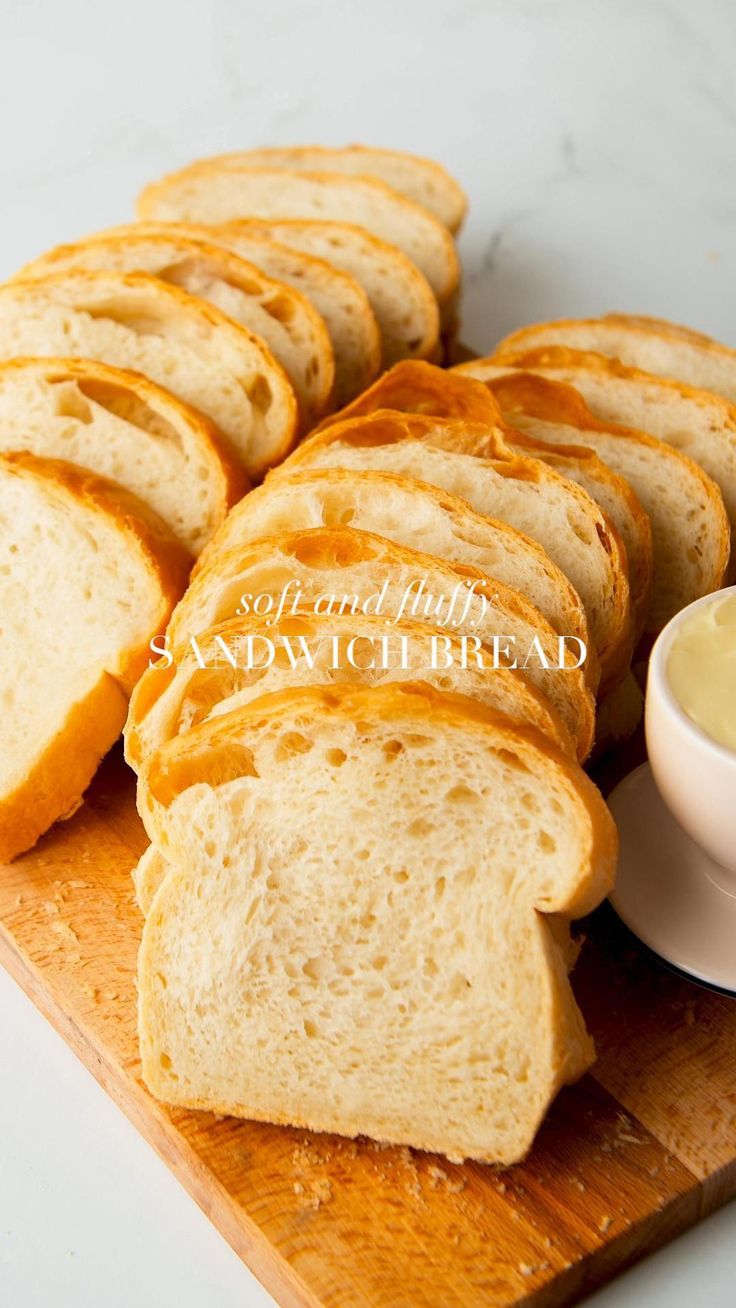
x,y
632,1155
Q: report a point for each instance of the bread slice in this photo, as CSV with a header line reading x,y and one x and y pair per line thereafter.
x,y
340,569
399,294
238,660
690,529
417,387
411,512
136,321
332,965
290,326
338,298
218,191
520,492
651,344
696,422
422,180
74,549
123,427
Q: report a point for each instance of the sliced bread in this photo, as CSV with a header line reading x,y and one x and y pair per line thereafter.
x,y
651,344
520,492
313,957
284,318
416,387
240,659
690,528
399,294
419,179
412,512
338,297
340,569
216,192
136,321
74,550
696,422
123,427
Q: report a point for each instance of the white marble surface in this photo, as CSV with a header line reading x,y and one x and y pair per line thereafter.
x,y
596,142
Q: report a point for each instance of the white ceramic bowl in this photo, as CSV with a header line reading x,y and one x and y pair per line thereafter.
x,y
695,776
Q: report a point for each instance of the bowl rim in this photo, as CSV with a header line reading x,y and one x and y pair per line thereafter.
x,y
658,672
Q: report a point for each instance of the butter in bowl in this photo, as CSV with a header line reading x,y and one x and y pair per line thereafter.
x,y
676,887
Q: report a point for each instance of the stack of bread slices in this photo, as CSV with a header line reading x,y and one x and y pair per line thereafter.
x,y
361,875
151,374
360,756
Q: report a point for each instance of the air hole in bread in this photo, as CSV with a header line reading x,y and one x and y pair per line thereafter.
x,y
512,760
392,748
335,515
291,743
420,827
462,794
546,842
336,757
259,393
579,530
604,538
280,308
69,403
125,404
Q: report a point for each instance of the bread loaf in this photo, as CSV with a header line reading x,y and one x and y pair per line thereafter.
x,y
73,551
314,957
136,321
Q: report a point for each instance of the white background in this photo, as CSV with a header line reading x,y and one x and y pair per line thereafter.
x,y
596,141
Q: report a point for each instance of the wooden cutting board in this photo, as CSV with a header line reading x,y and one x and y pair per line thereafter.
x,y
628,1158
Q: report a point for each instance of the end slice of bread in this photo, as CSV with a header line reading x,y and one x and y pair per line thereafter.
x,y
313,958
87,578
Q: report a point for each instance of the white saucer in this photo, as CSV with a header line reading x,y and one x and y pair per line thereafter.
x,y
672,896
